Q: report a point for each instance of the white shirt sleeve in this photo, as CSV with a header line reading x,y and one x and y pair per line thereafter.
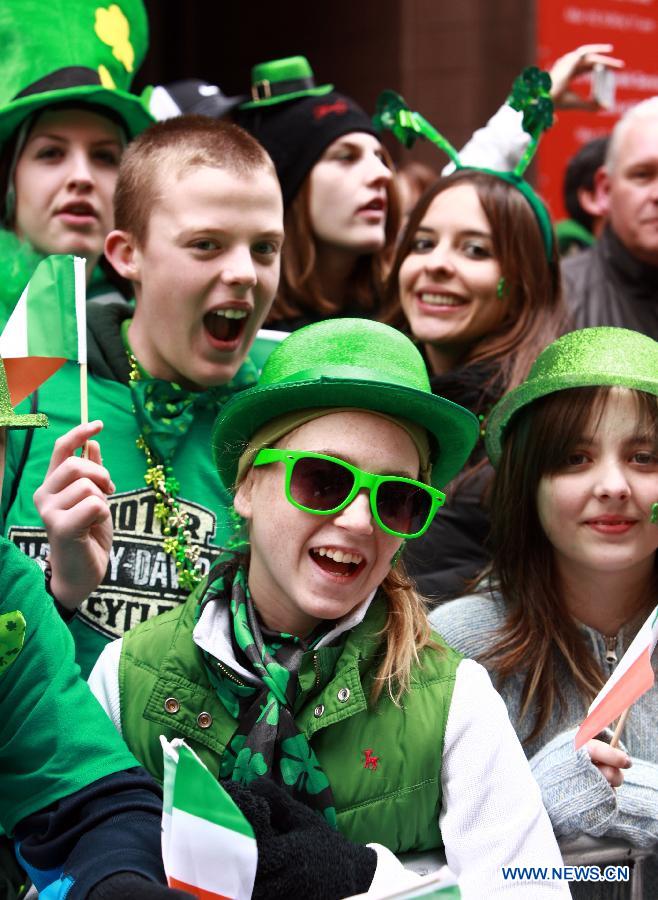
x,y
104,681
492,815
499,145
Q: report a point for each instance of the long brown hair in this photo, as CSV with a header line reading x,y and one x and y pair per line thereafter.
x,y
539,630
300,290
535,313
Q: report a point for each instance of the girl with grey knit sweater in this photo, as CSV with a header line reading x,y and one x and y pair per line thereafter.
x,y
574,576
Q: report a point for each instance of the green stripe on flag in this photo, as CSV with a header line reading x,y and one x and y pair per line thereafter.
x,y
51,322
198,793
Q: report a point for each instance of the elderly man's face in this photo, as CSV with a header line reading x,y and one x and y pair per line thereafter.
x,y
630,190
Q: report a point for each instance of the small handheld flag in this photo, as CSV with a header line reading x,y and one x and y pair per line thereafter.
x,y
632,677
47,327
208,846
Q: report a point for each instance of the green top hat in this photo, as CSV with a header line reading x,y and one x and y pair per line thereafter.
x,y
64,51
347,363
8,418
285,79
591,357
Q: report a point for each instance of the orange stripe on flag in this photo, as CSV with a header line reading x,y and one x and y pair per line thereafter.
x,y
25,374
195,891
632,684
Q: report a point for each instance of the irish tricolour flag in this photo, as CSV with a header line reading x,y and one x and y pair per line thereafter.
x,y
208,847
47,327
632,677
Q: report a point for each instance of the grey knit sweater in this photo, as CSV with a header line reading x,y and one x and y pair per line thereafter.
x,y
576,795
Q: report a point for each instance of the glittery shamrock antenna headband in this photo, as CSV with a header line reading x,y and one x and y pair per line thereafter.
x,y
530,95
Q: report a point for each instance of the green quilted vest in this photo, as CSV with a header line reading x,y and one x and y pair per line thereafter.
x,y
383,762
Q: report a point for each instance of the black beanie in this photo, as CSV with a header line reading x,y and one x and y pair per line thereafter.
x,y
296,133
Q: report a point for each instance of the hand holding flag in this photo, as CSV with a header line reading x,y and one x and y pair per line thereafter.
x,y
208,846
632,677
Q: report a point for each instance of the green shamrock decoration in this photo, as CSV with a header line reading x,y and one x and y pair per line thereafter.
x,y
270,711
392,112
299,766
12,636
249,766
531,95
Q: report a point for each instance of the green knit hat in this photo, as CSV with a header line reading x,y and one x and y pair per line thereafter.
x,y
353,363
65,51
591,357
280,80
8,418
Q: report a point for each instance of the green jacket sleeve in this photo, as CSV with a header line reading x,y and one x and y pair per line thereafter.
x,y
54,736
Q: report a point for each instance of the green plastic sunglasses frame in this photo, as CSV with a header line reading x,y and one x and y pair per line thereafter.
x,y
361,480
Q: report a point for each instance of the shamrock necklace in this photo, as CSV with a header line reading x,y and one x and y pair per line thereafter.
x,y
174,521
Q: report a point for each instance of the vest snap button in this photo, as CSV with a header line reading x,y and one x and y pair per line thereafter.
x,y
204,720
344,695
171,705
318,711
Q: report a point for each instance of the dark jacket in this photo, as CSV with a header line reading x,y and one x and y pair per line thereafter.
x,y
606,285
453,551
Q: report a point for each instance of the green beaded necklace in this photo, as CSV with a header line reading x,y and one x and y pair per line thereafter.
x,y
173,520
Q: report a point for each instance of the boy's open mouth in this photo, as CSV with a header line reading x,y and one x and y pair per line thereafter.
x,y
226,325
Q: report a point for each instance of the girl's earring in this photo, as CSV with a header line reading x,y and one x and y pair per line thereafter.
x,y
653,517
398,553
501,289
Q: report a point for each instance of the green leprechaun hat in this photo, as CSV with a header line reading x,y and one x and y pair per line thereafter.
x,y
347,363
64,51
280,80
8,418
590,357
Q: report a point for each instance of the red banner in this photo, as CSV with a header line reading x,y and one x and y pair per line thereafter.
x,y
632,27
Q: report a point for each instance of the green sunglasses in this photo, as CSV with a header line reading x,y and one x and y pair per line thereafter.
x,y
324,485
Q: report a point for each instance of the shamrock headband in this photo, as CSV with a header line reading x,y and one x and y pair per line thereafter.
x,y
530,95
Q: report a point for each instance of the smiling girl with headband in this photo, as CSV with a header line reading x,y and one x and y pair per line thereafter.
x,y
309,660
574,574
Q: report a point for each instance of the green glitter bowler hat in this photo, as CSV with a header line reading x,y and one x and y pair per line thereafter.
x,y
8,418
347,363
283,79
591,357
69,51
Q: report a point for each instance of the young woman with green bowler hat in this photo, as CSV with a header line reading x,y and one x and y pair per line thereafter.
x,y
308,661
65,117
476,283
574,575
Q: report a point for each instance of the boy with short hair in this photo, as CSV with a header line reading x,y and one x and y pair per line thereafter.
x,y
199,229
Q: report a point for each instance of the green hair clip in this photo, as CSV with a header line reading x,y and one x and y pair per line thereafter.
x,y
530,95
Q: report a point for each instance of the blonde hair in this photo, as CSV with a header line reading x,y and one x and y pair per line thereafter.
x,y
407,631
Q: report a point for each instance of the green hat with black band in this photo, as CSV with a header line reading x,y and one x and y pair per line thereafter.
x,y
295,120
590,357
70,52
280,80
347,364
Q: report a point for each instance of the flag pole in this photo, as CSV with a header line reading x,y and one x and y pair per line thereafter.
x,y
84,405
620,727
79,269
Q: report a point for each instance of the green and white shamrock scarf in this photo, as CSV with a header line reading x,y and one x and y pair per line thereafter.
x,y
268,743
